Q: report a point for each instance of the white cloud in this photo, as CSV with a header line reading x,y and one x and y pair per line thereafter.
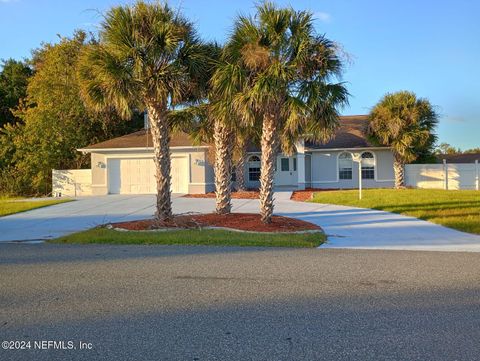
x,y
323,16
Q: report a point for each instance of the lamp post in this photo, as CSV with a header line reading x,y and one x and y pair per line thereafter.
x,y
358,158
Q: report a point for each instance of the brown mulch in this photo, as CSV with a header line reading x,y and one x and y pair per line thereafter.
x,y
302,196
241,221
235,195
307,194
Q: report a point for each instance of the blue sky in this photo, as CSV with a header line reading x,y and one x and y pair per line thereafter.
x,y
429,47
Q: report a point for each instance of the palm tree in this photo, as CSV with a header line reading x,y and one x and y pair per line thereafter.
x,y
209,122
406,124
244,136
277,68
223,136
148,57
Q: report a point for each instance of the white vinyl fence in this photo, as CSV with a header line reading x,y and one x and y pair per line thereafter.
x,y
443,176
71,182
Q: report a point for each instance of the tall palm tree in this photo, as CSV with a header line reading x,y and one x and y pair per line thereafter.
x,y
209,122
278,68
406,124
208,125
223,136
244,136
148,57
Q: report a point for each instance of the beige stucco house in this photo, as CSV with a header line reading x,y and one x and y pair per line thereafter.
x,y
125,165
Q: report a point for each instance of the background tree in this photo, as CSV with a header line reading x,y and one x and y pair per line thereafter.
x,y
472,150
445,148
148,57
13,87
406,124
53,122
277,68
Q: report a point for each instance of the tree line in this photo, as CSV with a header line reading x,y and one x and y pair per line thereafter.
x,y
276,80
44,120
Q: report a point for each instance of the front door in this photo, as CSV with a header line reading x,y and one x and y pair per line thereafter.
x,y
286,171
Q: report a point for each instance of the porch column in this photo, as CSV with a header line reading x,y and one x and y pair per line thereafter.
x,y
300,164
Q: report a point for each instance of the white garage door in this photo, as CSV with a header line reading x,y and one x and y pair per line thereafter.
x,y
137,176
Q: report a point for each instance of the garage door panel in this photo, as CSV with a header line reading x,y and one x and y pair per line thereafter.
x,y
179,174
137,175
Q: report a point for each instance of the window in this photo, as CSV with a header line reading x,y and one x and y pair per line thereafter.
x,y
294,164
345,166
253,174
254,168
368,166
284,165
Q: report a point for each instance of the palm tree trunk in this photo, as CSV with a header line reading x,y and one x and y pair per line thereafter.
x,y
161,149
399,170
223,138
269,144
240,166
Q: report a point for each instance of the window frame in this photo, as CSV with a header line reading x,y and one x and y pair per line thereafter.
x,y
368,172
341,172
282,164
254,168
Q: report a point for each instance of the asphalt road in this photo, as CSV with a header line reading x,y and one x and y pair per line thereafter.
x,y
205,303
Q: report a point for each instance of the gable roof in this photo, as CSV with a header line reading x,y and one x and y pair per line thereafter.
x,y
459,157
143,139
350,134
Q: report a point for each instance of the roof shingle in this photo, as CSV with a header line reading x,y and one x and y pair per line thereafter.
x,y
143,139
350,134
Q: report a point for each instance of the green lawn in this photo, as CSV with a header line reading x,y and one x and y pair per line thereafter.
x,y
194,237
16,205
454,209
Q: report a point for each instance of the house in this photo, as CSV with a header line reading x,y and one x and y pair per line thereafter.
x,y
459,158
125,165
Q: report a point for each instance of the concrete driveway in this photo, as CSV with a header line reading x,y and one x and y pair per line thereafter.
x,y
346,227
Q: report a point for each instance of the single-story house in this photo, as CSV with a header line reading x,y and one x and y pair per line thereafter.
x,y
124,165
458,158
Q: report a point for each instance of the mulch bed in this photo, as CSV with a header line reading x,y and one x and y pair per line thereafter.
x,y
241,221
307,194
235,195
302,196
299,196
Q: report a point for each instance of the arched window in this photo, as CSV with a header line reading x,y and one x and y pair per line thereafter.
x,y
254,168
345,166
368,165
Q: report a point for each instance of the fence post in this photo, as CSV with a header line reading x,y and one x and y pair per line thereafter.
x,y
445,169
477,180
360,177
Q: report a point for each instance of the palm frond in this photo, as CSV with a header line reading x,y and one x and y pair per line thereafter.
x,y
405,123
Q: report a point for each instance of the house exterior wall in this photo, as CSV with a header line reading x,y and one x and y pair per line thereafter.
x,y
320,169
308,170
324,169
198,181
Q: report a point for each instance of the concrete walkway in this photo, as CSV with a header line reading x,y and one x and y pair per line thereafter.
x,y
346,227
